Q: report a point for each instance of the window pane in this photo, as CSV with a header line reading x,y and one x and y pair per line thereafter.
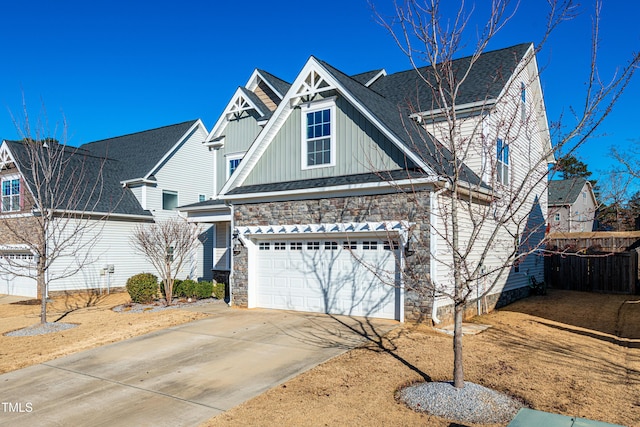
x,y
326,116
6,203
505,156
317,131
15,186
6,188
317,117
169,200
499,149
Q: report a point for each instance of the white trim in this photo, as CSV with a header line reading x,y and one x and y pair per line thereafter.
x,y
383,229
209,219
135,181
6,158
311,107
227,160
462,108
12,177
373,79
204,208
252,83
336,188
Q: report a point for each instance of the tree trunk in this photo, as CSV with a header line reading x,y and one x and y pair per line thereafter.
x,y
458,369
42,290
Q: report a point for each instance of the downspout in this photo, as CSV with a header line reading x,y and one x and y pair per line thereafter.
x,y
433,248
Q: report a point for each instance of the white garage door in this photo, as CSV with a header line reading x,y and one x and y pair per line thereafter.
x,y
11,284
354,277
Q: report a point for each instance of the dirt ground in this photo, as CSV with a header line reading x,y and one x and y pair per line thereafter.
x,y
97,325
568,352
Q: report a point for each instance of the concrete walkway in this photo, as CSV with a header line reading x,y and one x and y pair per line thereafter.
x,y
179,376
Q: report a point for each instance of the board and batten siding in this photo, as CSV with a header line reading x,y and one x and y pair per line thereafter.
x,y
239,133
360,148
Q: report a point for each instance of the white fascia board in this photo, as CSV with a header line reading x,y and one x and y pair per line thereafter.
x,y
205,208
335,189
134,181
175,147
373,79
15,247
209,218
104,215
252,83
462,108
541,108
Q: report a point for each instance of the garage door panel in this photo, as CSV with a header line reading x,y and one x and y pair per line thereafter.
x,y
11,284
324,277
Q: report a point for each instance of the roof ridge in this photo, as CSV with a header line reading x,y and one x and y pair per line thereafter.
x,y
462,58
139,132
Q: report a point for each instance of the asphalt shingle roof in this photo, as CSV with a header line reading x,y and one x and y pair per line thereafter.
x,y
396,118
566,191
279,84
106,164
485,81
362,178
85,183
363,78
139,152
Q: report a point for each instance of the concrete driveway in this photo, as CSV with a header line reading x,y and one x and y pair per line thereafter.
x,y
179,376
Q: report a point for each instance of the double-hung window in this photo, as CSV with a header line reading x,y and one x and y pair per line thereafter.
x,y
10,194
318,138
502,162
233,161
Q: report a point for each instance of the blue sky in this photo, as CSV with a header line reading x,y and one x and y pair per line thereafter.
x,y
117,67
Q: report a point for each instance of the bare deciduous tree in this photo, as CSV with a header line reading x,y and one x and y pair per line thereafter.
x,y
168,246
52,209
505,208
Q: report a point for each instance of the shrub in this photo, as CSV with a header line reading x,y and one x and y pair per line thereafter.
x,y
203,290
143,288
218,290
177,283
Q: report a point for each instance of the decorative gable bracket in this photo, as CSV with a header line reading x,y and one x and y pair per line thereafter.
x,y
313,84
6,160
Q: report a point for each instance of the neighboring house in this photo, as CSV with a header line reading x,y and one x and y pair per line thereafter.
x,y
139,178
572,205
316,185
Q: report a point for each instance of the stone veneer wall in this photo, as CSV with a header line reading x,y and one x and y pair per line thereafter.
x,y
385,207
24,226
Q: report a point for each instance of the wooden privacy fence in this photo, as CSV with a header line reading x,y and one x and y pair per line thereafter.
x,y
593,271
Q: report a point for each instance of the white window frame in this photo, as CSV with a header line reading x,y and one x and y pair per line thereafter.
x,y
228,158
502,153
12,208
557,217
312,107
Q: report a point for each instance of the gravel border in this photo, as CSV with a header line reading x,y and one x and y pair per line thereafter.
x,y
40,329
471,404
160,306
